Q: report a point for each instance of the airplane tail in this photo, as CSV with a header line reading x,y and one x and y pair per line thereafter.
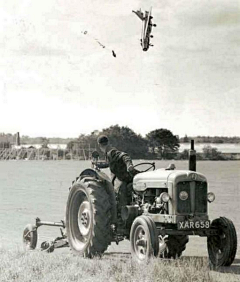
x,y
139,13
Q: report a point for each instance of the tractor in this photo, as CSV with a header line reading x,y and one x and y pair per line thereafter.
x,y
167,206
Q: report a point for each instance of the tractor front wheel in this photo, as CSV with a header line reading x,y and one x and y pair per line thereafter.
x,y
143,239
222,247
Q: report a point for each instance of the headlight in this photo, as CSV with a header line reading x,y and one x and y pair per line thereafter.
x,y
183,195
164,197
210,197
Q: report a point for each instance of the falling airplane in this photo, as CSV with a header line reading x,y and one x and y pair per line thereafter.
x,y
146,28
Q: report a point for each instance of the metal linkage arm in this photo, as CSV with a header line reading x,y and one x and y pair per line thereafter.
x,y
39,222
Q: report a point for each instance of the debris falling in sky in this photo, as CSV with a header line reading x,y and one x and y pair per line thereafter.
x,y
99,43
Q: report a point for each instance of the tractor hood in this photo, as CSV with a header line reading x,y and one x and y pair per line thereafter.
x,y
160,178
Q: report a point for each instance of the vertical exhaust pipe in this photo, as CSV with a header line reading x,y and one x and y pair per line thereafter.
x,y
192,157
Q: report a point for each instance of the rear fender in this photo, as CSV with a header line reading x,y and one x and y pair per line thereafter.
x,y
99,175
89,173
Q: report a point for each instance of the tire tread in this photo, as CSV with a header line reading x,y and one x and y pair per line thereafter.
x,y
101,233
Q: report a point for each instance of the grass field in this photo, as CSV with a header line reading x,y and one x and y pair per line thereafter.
x,y
31,189
16,265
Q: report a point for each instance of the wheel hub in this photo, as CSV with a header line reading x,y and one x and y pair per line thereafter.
x,y
27,238
140,242
84,218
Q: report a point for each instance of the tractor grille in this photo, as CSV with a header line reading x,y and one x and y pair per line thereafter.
x,y
196,203
201,197
183,206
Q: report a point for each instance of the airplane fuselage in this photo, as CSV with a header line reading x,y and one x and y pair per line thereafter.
x,y
146,28
146,31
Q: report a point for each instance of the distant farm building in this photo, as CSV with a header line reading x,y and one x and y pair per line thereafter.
x,y
12,149
38,152
39,146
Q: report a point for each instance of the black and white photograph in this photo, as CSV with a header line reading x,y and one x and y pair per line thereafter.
x,y
120,140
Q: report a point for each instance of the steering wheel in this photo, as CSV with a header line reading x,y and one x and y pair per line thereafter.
x,y
151,166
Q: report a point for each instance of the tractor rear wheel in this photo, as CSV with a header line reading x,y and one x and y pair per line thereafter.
x,y
222,248
175,245
143,239
88,218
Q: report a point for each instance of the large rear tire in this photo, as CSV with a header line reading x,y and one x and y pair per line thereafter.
x,y
88,218
175,245
143,239
222,248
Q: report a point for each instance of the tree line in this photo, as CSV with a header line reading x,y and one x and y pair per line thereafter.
x,y
158,144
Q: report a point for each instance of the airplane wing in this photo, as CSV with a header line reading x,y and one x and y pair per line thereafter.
x,y
139,13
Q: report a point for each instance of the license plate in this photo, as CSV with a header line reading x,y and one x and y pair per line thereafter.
x,y
199,224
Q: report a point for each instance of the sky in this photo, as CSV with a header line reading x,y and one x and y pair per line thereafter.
x,y
56,81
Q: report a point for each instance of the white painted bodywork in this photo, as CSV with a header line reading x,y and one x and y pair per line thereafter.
x,y
162,178
167,179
